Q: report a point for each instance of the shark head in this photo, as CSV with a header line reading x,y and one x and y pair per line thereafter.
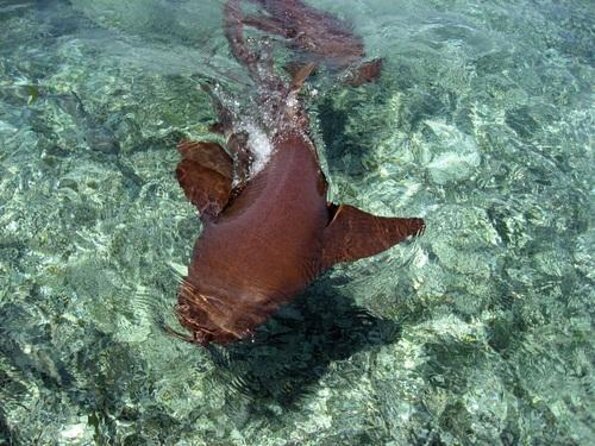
x,y
221,316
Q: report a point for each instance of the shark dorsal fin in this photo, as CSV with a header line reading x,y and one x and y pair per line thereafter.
x,y
205,174
354,234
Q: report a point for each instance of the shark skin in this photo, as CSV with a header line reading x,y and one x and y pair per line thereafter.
x,y
318,33
267,232
276,236
316,36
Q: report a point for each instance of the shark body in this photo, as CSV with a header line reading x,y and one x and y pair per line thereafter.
x,y
267,232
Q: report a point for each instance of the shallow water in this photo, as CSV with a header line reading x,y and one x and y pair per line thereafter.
x,y
479,332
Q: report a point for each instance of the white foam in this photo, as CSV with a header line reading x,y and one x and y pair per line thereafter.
x,y
260,147
74,431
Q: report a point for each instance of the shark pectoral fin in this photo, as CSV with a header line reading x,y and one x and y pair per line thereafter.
x,y
354,234
205,175
207,189
208,154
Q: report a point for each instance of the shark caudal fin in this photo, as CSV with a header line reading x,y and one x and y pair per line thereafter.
x,y
354,234
205,174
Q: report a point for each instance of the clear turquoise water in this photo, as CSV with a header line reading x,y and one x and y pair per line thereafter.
x,y
480,332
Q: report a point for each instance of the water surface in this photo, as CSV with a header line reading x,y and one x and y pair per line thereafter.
x,y
480,332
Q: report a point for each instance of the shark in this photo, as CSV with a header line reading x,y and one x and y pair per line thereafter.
x,y
316,36
268,228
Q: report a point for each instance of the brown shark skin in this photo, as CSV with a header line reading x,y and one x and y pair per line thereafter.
x,y
271,242
270,235
323,35
264,248
319,36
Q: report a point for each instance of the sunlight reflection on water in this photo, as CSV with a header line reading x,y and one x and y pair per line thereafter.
x,y
479,332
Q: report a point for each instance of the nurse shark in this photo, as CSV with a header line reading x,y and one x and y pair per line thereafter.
x,y
268,228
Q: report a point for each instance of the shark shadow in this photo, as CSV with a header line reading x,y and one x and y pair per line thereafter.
x,y
293,350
